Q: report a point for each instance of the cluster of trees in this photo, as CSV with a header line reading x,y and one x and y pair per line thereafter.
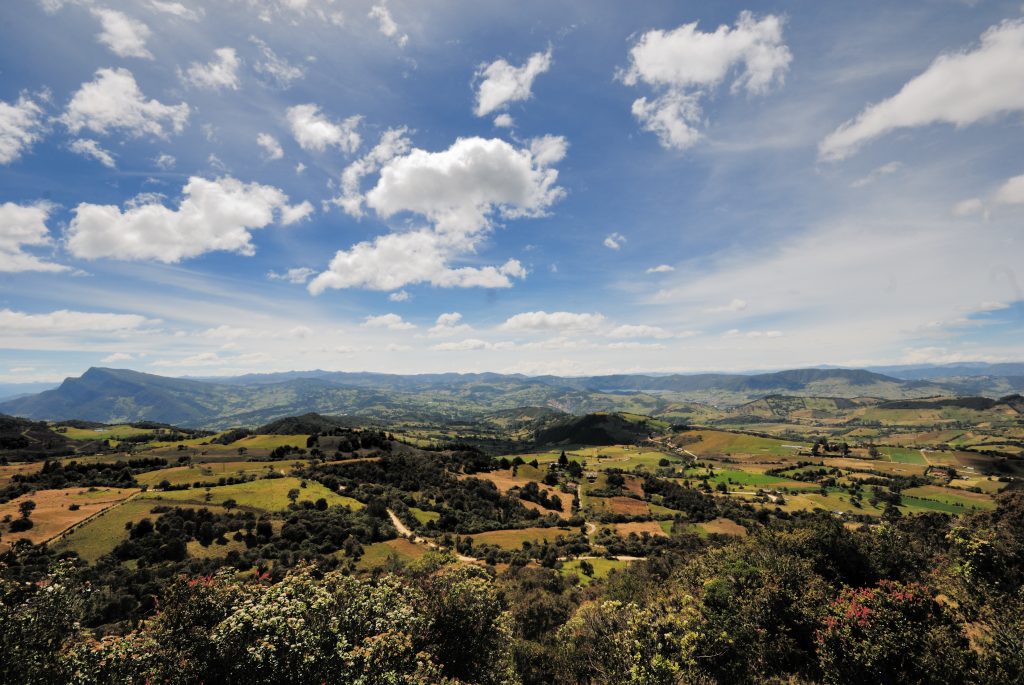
x,y
24,522
823,445
696,505
56,474
429,481
120,594
445,626
233,435
348,441
282,452
311,530
614,483
923,599
531,492
808,601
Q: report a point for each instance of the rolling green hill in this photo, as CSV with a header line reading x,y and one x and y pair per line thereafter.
x,y
597,429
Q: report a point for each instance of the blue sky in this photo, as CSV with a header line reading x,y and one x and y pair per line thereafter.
x,y
205,188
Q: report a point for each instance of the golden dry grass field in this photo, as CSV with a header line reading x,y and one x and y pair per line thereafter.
x,y
53,513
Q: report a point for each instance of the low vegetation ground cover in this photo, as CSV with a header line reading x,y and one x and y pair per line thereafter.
x,y
662,503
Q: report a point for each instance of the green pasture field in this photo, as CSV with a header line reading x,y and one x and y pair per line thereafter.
x,y
999,447
925,438
514,538
903,455
723,526
101,534
213,550
951,496
916,505
836,499
749,479
105,433
988,486
529,472
207,472
379,553
268,442
658,510
602,567
266,494
190,442
624,457
643,418
721,442
424,516
254,445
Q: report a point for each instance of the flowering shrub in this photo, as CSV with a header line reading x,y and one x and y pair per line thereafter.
x,y
333,629
35,621
891,633
310,627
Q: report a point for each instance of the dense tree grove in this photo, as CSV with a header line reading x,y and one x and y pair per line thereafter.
x,y
56,475
465,505
918,599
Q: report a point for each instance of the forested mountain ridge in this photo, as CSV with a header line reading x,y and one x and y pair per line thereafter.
x,y
118,395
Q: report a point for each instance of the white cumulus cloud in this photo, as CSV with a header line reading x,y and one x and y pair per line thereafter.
x,y
271,148
969,207
685,65
393,143
877,173
959,88
614,241
113,101
298,275
21,125
212,215
92,149
635,346
219,73
126,37
65,321
387,26
639,331
459,191
392,322
395,260
661,269
24,226
734,305
117,357
1011,192
275,67
501,83
165,161
314,131
471,344
553,321
447,325
175,9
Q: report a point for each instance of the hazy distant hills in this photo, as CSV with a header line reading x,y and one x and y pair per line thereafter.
x,y
9,391
969,369
114,395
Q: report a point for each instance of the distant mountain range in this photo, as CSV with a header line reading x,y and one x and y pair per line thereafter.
x,y
9,391
116,395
